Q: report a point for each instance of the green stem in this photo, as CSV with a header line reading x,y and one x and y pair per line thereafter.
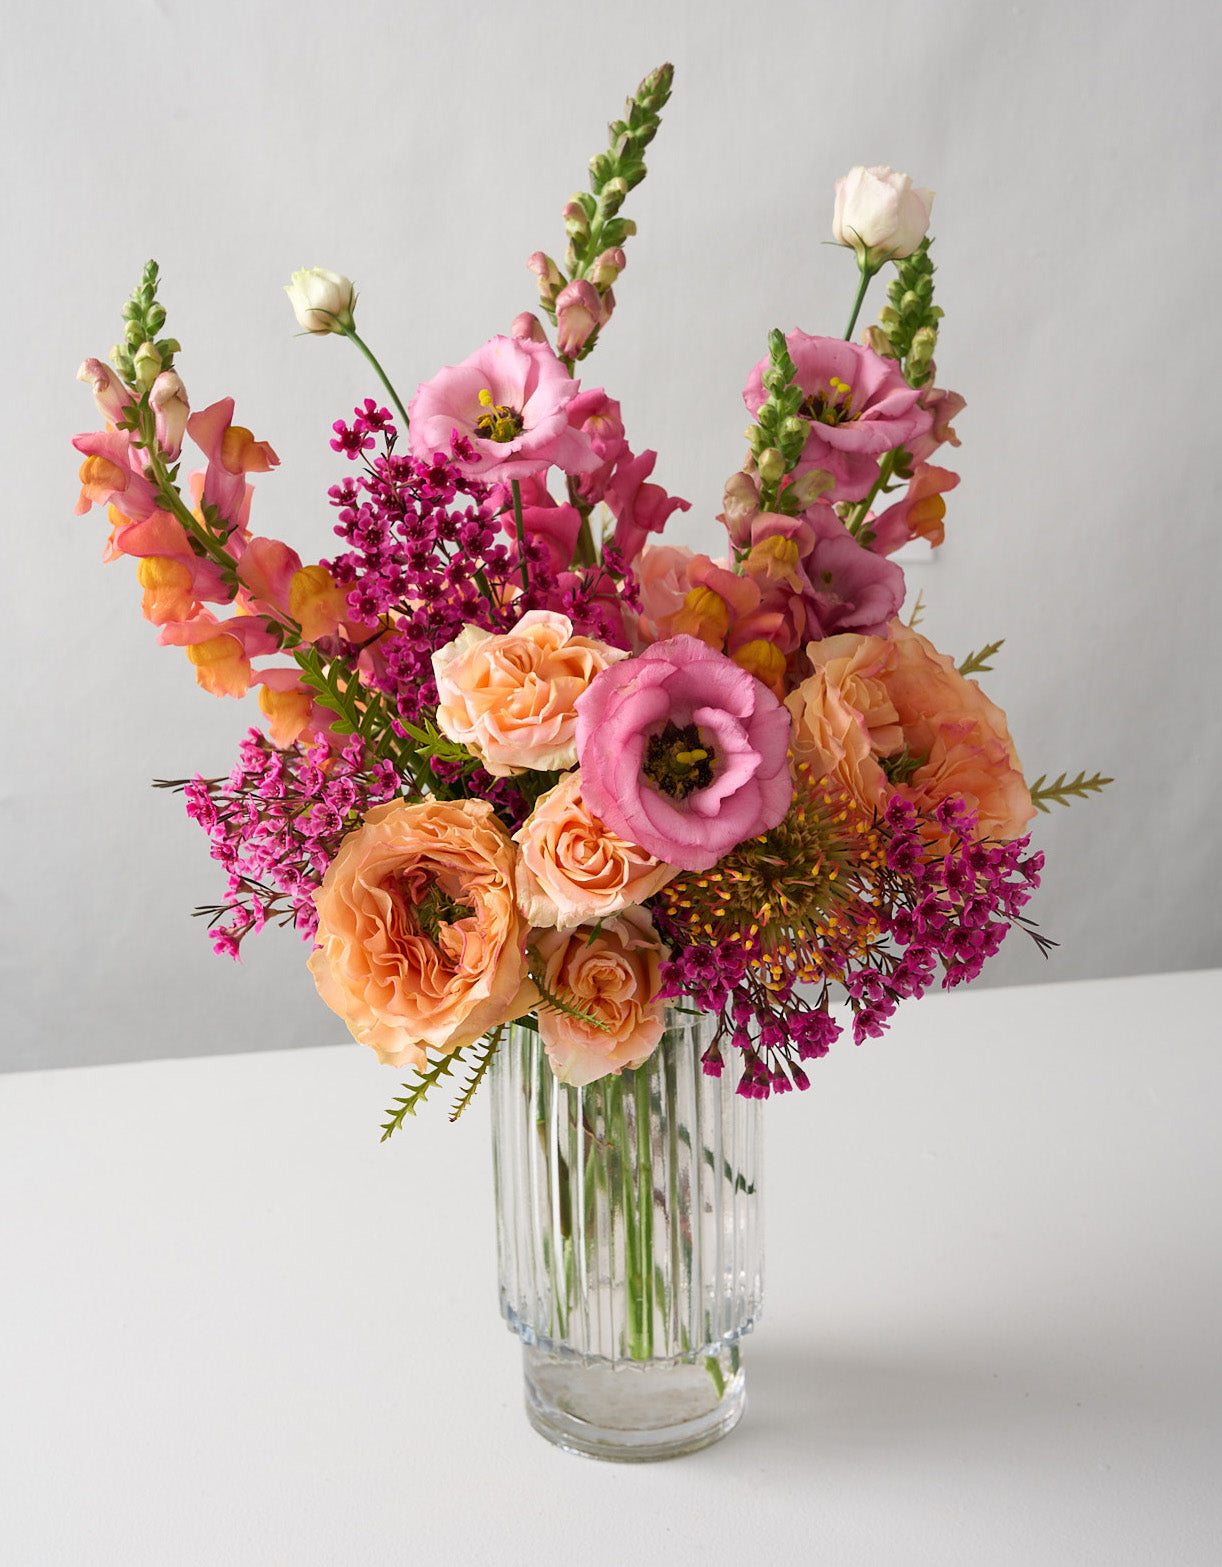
x,y
862,510
350,332
519,529
643,1186
867,273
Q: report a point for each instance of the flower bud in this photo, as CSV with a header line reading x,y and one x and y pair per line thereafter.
x,y
322,301
111,396
551,279
578,311
771,465
876,338
171,410
527,328
920,354
146,363
576,223
880,214
606,268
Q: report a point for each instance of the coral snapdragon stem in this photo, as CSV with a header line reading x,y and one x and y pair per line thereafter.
x,y
369,354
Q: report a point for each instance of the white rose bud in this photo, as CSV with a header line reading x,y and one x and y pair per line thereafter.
x,y
880,214
322,301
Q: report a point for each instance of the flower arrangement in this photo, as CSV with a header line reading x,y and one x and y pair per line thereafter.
x,y
522,763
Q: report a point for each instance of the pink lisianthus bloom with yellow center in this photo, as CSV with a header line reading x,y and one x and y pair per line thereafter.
x,y
859,406
683,753
511,699
610,972
572,869
420,945
891,715
510,400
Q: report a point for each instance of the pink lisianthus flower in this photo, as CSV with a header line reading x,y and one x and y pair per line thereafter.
x,y
639,508
683,753
510,400
859,406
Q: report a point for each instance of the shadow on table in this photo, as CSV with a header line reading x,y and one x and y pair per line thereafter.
x,y
822,1399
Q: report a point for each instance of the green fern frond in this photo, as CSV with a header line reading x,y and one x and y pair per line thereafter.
x,y
426,1078
1060,791
550,1002
980,661
485,1051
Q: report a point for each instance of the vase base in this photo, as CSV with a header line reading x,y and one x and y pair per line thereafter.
x,y
630,1412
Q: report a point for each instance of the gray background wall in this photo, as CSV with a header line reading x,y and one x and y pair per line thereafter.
x,y
426,149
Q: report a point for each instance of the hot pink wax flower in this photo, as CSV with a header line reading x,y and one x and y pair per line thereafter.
x,y
683,753
859,405
510,401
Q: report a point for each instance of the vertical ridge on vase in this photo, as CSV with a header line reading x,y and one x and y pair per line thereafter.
x,y
629,1242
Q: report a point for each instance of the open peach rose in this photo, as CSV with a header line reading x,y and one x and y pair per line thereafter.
x,y
892,715
419,940
511,699
572,869
961,736
611,973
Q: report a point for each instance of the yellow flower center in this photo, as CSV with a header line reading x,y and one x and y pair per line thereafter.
x,y
500,423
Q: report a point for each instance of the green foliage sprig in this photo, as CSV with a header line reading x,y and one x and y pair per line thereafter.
x,y
779,432
1060,791
981,661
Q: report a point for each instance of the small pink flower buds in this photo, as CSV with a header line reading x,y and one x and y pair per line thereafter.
x,y
171,410
578,312
109,393
551,279
322,301
606,268
527,328
880,214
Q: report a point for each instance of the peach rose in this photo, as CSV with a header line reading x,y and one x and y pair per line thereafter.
x,y
611,973
572,869
831,736
419,940
906,700
510,699
962,736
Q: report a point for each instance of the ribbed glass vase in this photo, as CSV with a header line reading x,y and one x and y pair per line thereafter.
x,y
629,1236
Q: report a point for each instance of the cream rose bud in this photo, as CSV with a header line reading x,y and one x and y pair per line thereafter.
x,y
322,301
511,698
572,869
880,214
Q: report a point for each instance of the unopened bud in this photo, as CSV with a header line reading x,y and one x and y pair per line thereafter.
x,y
876,338
171,410
771,465
146,363
576,223
527,328
606,268
920,354
322,300
551,279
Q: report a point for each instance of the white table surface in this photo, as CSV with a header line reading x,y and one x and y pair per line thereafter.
x,y
236,1329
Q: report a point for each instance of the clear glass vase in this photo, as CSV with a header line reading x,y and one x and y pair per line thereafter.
x,y
630,1245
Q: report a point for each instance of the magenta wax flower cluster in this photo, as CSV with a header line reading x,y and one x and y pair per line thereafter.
x,y
522,762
